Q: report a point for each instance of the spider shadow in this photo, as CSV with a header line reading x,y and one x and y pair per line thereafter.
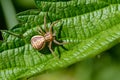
x,y
45,50
59,36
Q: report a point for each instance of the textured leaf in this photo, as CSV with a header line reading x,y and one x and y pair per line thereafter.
x,y
90,27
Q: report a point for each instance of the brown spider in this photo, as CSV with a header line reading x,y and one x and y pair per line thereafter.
x,y
38,41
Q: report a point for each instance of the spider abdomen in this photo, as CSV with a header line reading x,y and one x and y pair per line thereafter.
x,y
38,42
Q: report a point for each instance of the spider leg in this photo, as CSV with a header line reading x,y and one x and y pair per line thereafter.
x,y
50,48
59,43
45,24
40,31
50,30
54,34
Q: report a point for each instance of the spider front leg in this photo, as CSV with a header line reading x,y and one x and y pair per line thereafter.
x,y
50,48
45,26
50,30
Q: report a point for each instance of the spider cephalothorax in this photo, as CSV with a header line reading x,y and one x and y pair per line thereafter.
x,y
38,41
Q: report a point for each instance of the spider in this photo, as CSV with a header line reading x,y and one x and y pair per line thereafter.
x,y
38,41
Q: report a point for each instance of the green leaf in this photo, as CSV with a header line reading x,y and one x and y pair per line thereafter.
x,y
89,27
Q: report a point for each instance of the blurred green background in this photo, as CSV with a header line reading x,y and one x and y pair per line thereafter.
x,y
105,66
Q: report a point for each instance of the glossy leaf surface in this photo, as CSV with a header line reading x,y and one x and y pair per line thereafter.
x,y
90,27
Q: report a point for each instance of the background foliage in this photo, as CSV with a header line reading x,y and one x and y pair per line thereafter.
x,y
90,27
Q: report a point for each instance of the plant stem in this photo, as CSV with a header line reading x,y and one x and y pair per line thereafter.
x,y
9,13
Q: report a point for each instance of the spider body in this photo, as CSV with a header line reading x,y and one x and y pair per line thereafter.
x,y
38,42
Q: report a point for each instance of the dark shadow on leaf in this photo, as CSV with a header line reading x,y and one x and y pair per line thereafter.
x,y
45,50
59,36
1,38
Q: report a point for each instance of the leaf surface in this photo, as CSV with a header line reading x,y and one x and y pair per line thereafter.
x,y
90,27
